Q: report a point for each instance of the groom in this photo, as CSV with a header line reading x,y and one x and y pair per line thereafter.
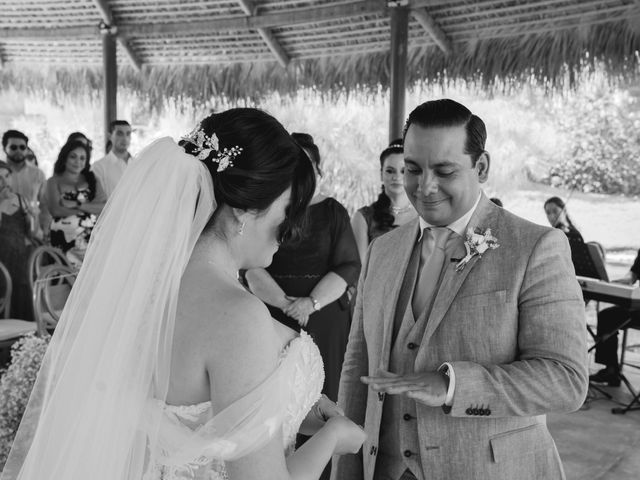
x,y
456,354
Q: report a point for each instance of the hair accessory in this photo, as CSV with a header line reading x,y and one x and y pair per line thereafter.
x,y
205,145
396,145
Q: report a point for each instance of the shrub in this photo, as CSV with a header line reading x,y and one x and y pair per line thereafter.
x,y
16,383
602,154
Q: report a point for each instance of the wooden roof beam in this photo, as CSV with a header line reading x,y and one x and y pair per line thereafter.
x,y
249,9
107,17
433,29
283,18
275,47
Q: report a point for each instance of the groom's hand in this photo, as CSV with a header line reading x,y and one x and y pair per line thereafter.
x,y
429,388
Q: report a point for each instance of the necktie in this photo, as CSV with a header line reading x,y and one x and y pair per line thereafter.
x,y
432,255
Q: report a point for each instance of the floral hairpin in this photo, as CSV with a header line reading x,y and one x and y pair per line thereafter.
x,y
205,145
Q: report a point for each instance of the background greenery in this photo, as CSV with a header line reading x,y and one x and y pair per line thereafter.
x,y
582,145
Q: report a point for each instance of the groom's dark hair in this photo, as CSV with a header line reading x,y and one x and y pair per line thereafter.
x,y
449,113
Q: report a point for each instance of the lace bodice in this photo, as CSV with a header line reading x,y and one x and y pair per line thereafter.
x,y
302,392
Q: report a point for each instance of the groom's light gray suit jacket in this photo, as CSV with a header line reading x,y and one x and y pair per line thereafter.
x,y
512,324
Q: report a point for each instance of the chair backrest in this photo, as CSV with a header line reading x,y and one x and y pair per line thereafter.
x,y
50,292
588,260
6,288
43,256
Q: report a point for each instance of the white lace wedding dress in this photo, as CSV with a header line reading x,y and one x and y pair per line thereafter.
x,y
302,392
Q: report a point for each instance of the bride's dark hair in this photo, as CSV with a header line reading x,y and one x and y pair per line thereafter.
x,y
270,162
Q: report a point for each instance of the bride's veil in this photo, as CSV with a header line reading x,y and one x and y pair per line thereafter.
x,y
111,351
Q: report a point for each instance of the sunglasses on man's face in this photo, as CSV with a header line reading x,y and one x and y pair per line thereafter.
x,y
16,147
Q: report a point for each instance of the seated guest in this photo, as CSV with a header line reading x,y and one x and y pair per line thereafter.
x,y
558,217
17,224
392,208
609,320
497,201
73,198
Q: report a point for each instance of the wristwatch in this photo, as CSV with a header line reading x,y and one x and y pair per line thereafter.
x,y
316,303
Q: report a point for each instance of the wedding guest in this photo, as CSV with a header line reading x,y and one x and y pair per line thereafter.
x,y
609,321
30,157
110,168
392,208
453,359
16,231
556,211
81,137
74,199
305,285
28,181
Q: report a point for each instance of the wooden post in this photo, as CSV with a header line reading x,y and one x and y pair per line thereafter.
x,y
110,67
399,16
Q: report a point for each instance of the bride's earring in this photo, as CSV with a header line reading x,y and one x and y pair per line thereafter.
x,y
241,229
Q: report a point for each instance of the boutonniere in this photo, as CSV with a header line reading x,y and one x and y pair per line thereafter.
x,y
477,244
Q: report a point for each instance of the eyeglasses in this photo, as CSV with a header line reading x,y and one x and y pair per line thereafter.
x,y
16,147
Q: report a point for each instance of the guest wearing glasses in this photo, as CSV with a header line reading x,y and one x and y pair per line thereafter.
x,y
27,180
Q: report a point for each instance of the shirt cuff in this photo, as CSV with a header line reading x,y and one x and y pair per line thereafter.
x,y
447,368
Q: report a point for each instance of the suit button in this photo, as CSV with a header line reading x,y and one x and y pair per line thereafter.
x,y
407,453
373,450
380,396
469,411
474,411
481,412
406,416
411,346
487,412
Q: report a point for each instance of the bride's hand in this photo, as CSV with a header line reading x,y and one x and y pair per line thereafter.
x,y
349,436
324,409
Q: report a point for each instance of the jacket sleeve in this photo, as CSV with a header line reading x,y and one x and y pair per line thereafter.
x,y
352,395
550,373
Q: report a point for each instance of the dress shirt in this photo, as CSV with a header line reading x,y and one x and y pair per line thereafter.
x,y
108,170
458,226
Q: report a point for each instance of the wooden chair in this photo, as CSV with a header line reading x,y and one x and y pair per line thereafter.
x,y
11,329
50,292
43,256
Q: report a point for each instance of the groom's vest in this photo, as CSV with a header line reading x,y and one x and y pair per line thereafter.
x,y
399,447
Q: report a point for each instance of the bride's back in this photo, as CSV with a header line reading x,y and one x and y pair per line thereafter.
x,y
218,328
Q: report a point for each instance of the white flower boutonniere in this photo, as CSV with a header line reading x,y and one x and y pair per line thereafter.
x,y
477,244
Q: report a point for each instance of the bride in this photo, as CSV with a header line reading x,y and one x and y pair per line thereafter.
x,y
163,366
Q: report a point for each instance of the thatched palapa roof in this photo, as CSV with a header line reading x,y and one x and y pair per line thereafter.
x,y
247,47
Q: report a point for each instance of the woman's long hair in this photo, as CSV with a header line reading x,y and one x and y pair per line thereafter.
x,y
61,164
382,215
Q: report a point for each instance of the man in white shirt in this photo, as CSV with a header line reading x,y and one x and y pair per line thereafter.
x,y
27,180
110,168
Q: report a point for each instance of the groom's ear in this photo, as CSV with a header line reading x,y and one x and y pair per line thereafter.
x,y
482,166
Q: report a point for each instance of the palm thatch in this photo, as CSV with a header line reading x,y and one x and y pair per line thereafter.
x,y
492,44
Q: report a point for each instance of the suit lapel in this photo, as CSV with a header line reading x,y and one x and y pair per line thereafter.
x,y
397,268
484,217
